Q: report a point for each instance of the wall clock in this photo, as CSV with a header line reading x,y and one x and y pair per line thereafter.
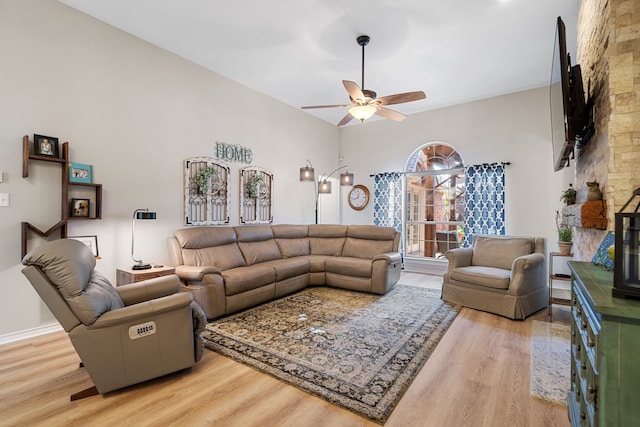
x,y
358,197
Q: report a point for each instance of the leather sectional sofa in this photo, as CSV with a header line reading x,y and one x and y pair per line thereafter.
x,y
228,269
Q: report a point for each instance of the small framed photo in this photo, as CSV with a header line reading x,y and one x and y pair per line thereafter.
x,y
90,241
79,173
45,145
80,208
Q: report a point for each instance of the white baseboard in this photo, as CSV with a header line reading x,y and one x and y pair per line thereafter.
x,y
30,333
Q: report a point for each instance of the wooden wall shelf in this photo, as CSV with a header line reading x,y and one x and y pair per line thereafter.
x,y
67,189
590,214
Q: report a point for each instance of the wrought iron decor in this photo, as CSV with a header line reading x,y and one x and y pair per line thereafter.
x,y
206,192
256,196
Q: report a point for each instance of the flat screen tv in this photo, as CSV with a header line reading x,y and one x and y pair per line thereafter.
x,y
571,120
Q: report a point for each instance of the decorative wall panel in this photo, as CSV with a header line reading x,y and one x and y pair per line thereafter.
x,y
256,196
206,192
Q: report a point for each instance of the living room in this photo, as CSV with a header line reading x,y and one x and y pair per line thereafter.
x,y
135,112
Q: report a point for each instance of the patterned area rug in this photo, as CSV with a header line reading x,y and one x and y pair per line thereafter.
x,y
550,361
356,350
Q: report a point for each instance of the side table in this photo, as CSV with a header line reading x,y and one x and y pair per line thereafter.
x,y
124,276
553,276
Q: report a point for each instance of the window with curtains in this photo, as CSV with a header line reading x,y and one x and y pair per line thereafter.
x,y
435,189
484,211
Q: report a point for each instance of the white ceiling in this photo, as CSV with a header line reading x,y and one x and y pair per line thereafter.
x,y
299,51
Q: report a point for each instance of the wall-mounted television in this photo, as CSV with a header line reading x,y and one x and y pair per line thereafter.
x,y
571,116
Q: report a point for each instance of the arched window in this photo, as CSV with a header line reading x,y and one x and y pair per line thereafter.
x,y
435,189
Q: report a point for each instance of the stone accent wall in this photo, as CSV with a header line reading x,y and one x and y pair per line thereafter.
x,y
609,55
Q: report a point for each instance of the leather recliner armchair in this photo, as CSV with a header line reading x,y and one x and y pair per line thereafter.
x,y
124,335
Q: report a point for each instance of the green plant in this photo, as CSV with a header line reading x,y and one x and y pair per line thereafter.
x,y
203,178
569,195
565,231
253,186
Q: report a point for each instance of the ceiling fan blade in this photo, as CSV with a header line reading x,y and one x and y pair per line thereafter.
x,y
390,114
354,90
325,106
400,98
346,119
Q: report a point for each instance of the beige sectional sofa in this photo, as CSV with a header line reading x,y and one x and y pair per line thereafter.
x,y
228,269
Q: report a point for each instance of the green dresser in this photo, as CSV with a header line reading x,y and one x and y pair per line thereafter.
x,y
605,351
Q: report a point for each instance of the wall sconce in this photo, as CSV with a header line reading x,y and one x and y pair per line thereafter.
x,y
139,214
324,186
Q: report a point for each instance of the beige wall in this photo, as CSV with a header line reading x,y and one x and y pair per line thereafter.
x,y
134,112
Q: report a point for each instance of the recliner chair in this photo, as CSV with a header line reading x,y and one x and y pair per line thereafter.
x,y
124,335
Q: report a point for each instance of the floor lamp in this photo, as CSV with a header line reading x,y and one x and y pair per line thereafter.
x,y
139,214
307,173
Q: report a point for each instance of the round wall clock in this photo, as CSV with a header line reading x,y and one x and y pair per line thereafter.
x,y
358,197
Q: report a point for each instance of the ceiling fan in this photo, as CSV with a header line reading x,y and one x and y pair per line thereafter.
x,y
364,102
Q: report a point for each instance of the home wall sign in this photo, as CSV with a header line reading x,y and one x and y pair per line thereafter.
x,y
233,153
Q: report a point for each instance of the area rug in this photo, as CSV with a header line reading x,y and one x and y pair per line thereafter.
x,y
357,350
550,361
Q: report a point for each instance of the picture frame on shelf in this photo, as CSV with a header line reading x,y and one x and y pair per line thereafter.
x,y
80,173
90,241
80,208
45,146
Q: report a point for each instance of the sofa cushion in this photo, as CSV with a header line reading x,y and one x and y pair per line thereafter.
x,y
365,248
210,246
222,257
243,279
292,240
498,251
327,239
69,265
288,267
205,237
490,277
348,266
257,244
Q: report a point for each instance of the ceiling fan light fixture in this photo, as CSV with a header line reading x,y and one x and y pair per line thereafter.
x,y
362,112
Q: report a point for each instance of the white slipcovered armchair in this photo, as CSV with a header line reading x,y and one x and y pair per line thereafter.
x,y
504,275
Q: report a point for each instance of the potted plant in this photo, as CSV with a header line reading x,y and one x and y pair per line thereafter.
x,y
569,195
253,186
203,179
565,233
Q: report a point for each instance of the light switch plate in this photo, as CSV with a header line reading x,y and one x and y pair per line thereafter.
x,y
4,199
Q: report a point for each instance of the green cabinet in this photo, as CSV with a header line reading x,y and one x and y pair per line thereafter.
x,y
605,351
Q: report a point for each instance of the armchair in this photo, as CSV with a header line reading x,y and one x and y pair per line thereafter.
x,y
123,335
504,275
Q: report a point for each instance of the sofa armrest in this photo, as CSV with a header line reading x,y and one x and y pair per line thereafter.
x,y
390,257
145,290
528,273
143,311
191,272
459,257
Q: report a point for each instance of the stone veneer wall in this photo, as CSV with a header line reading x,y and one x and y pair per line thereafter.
x,y
609,55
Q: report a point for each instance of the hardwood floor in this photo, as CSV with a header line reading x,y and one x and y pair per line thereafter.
x,y
477,376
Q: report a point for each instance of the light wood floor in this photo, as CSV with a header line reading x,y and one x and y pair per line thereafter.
x,y
477,376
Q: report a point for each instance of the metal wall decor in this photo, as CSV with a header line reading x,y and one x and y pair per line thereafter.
x,y
256,196
206,192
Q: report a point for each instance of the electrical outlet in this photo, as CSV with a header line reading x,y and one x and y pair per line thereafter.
x,y
4,199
